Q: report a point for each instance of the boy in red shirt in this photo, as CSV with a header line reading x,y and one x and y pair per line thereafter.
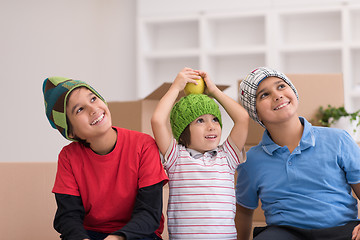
x,y
109,180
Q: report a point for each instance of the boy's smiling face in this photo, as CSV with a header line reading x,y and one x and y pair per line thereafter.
x,y
205,133
276,102
89,115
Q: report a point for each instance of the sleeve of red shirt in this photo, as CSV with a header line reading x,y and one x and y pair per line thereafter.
x,y
151,170
65,182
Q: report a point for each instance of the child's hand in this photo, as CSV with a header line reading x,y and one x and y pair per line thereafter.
x,y
114,237
187,75
210,86
356,233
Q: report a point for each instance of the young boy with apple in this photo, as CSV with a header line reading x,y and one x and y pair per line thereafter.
x,y
109,180
304,175
201,188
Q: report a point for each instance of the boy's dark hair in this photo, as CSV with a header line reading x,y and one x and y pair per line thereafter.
x,y
184,138
76,138
70,128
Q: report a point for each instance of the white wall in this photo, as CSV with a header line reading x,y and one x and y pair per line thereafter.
x,y
90,40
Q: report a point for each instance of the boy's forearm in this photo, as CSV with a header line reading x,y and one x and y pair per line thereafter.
x,y
163,109
236,112
160,117
166,103
239,116
160,120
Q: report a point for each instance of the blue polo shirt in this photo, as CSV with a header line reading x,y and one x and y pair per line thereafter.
x,y
308,188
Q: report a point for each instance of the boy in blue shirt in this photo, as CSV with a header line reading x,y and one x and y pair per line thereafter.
x,y
302,174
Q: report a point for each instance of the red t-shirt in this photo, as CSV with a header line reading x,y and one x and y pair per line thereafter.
x,y
108,184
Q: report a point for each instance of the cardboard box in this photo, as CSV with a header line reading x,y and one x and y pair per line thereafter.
x,y
136,115
314,90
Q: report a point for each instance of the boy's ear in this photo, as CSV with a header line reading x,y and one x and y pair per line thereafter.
x,y
70,131
71,135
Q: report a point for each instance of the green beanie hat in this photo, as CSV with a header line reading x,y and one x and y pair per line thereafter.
x,y
56,90
190,107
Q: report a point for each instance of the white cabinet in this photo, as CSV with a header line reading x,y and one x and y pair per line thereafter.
x,y
354,56
229,44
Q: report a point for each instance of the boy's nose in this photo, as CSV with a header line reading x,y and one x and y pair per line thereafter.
x,y
92,110
278,97
211,125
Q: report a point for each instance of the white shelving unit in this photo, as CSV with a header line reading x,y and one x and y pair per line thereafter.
x,y
354,55
165,44
229,44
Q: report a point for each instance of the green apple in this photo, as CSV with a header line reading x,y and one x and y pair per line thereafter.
x,y
192,88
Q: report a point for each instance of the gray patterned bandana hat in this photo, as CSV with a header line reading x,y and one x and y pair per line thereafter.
x,y
248,88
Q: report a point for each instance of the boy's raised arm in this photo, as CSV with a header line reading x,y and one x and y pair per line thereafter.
x,y
236,112
161,116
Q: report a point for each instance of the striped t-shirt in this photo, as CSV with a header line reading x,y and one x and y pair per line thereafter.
x,y
202,195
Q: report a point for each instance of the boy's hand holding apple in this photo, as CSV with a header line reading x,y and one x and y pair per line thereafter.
x,y
192,88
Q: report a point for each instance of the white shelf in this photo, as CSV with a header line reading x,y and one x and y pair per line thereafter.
x,y
317,47
170,34
312,62
237,51
355,46
355,25
172,54
165,70
310,27
233,32
355,59
308,39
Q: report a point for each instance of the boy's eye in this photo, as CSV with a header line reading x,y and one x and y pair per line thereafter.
x,y
79,110
281,86
216,119
93,99
263,95
200,120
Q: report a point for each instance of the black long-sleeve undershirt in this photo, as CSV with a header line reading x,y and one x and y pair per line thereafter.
x,y
69,217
